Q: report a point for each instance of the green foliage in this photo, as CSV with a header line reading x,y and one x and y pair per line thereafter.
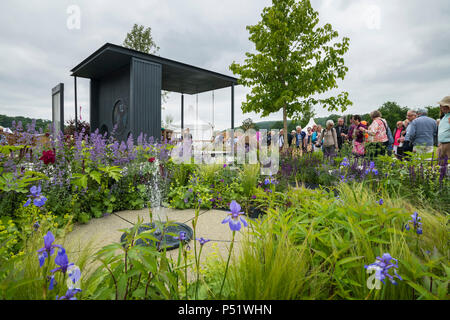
x,y
140,39
6,121
294,61
311,245
392,112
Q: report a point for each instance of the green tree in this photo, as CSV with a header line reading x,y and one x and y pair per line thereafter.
x,y
393,112
434,112
140,39
249,124
294,61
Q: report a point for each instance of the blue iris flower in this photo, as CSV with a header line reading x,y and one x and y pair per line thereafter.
x,y
35,195
234,220
382,265
70,294
62,261
181,236
48,248
202,240
417,225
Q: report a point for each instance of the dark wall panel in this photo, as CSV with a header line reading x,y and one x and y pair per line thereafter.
x,y
145,112
114,92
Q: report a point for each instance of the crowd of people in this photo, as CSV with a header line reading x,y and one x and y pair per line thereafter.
x,y
418,133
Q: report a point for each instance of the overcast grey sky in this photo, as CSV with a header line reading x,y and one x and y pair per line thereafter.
x,y
399,50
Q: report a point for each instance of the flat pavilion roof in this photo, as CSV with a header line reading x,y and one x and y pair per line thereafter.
x,y
176,76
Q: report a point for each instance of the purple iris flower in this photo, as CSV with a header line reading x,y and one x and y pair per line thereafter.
x,y
234,220
70,294
48,248
266,181
382,266
225,165
62,261
202,240
345,162
52,283
35,195
417,225
74,274
181,236
381,202
253,197
186,200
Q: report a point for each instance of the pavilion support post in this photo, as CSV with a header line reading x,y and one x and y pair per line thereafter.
x,y
76,103
232,106
182,113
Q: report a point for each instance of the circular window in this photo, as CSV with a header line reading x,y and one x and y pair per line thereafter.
x,y
120,117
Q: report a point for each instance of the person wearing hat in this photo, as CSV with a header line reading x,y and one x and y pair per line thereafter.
x,y
421,132
444,129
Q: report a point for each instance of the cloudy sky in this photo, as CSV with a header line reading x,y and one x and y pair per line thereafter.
x,y
399,50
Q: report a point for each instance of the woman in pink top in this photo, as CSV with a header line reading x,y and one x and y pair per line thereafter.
x,y
378,133
397,135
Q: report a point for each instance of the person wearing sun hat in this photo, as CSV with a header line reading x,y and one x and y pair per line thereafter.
x,y
444,129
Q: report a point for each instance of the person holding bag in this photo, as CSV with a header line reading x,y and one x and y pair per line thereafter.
x,y
330,142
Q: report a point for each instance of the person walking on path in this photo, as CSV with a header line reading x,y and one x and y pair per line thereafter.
x,y
422,132
330,142
444,130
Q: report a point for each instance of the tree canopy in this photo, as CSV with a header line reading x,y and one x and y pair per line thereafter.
x,y
295,61
140,39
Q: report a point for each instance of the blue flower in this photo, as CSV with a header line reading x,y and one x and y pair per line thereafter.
x,y
234,220
35,195
417,225
345,162
380,202
48,248
382,266
202,240
52,283
181,236
70,294
62,261
74,274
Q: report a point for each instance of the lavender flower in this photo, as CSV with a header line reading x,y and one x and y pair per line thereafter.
x,y
233,218
382,266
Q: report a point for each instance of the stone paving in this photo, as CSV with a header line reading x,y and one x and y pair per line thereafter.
x,y
107,230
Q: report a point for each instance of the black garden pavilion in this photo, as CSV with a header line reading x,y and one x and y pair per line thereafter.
x,y
125,88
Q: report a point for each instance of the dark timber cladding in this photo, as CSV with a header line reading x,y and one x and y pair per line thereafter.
x,y
125,89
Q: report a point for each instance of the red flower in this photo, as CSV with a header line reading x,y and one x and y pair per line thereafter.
x,y
152,159
48,157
